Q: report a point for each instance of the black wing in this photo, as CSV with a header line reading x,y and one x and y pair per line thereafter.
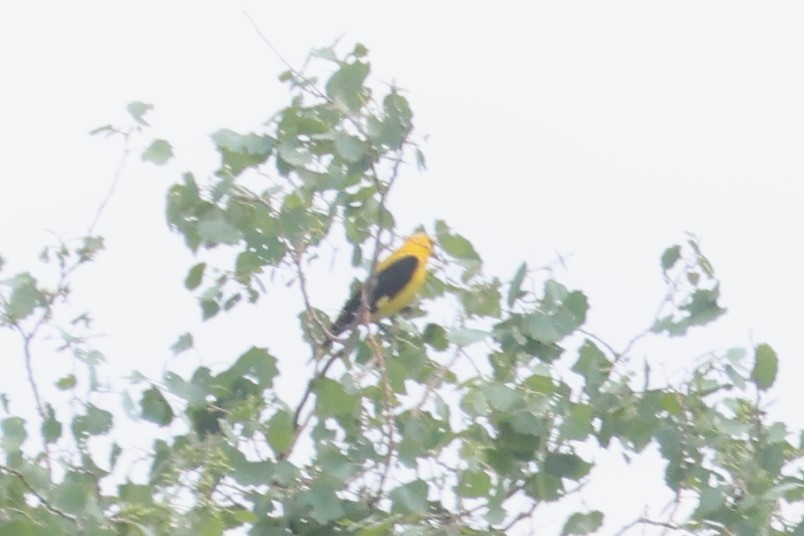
x,y
390,282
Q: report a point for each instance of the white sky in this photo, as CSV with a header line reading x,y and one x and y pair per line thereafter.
x,y
601,130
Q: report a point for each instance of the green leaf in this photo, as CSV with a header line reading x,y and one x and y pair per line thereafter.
x,y
482,299
772,458
89,247
333,400
51,427
14,434
515,289
582,523
66,382
525,422
323,500
194,392
72,494
184,342
350,148
248,473
458,247
566,465
301,123
540,383
114,455
184,206
136,493
194,276
420,433
577,304
280,433
473,484
346,85
545,487
540,327
103,129
396,124
766,365
295,154
159,152
421,161
670,257
501,397
593,365
336,464
326,53
240,152
670,444
209,307
219,232
95,421
209,525
466,336
514,442
360,51
578,424
397,374
703,307
257,364
711,500
155,408
436,337
25,297
248,263
137,111
410,498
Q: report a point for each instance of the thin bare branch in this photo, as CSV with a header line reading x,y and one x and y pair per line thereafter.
x,y
115,180
39,496
308,85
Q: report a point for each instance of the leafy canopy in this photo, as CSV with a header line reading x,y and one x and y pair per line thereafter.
x,y
473,427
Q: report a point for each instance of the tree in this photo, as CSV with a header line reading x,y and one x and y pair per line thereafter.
x,y
410,427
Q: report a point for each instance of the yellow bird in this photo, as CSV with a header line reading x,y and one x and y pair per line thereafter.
x,y
398,279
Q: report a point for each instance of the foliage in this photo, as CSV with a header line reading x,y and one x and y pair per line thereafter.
x,y
411,428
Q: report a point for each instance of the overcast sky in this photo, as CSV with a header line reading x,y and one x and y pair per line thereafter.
x,y
601,131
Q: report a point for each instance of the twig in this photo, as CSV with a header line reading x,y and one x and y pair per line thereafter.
x,y
115,180
39,496
306,82
308,391
297,261
435,381
26,350
519,517
390,419
667,525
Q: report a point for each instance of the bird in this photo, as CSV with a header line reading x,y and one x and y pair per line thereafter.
x,y
398,279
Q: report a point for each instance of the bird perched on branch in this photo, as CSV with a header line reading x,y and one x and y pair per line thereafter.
x,y
397,280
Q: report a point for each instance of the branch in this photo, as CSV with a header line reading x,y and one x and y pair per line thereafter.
x,y
667,525
28,356
297,261
39,496
436,380
308,391
390,419
115,179
519,517
306,83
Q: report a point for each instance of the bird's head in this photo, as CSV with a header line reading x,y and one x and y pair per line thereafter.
x,y
423,241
